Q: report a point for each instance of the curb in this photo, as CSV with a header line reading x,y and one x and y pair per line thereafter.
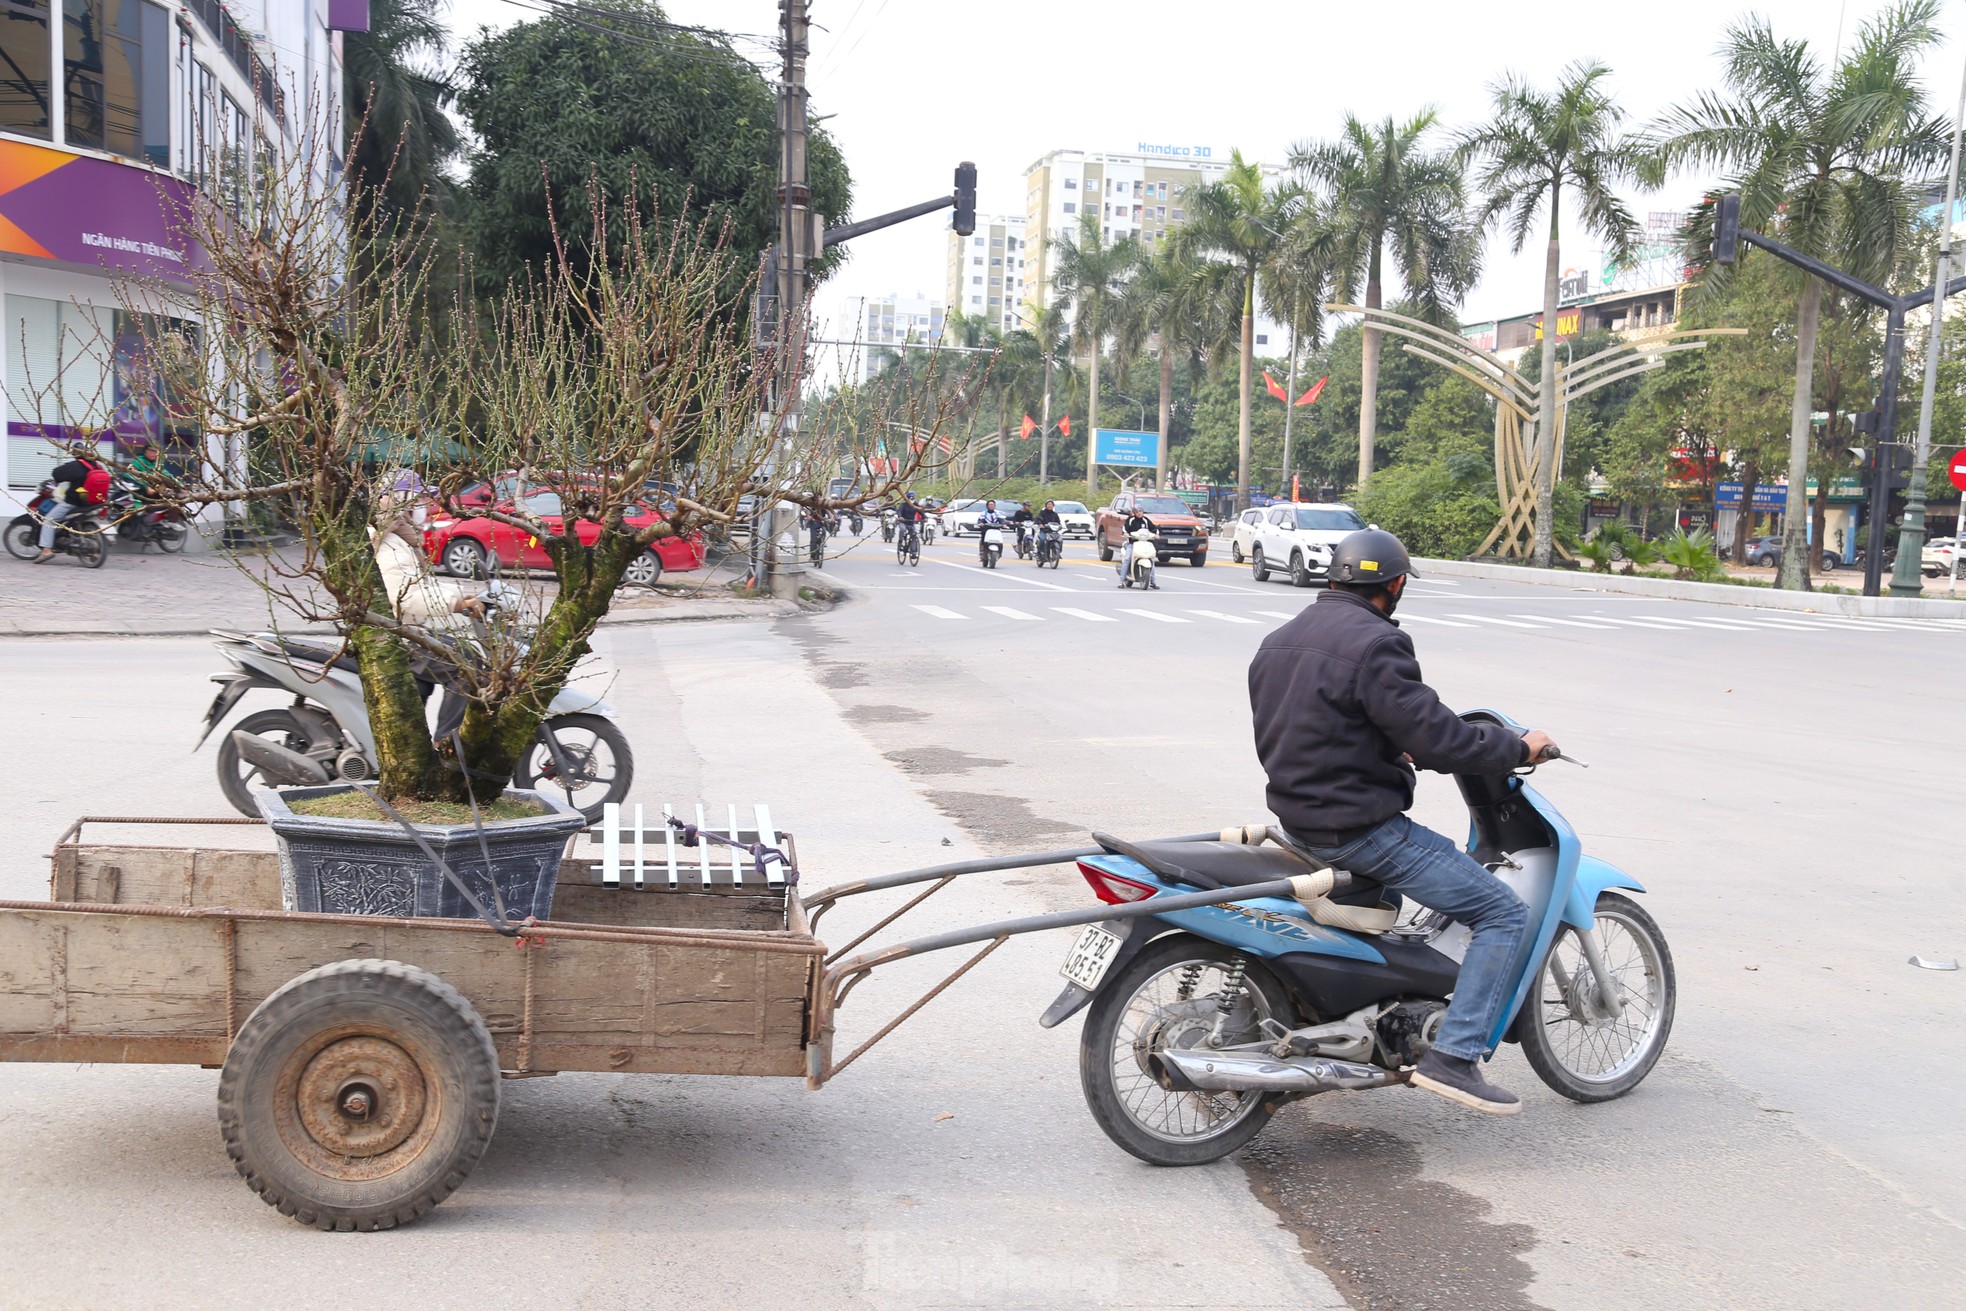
x,y
1763,598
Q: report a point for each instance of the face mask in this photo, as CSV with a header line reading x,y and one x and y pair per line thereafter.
x,y
419,515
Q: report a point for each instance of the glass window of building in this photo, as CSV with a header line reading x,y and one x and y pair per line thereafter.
x,y
154,85
102,66
25,51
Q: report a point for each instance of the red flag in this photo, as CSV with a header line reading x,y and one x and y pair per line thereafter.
x,y
1025,429
1065,424
1315,391
1276,388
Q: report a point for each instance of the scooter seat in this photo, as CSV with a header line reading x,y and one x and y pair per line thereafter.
x,y
1232,865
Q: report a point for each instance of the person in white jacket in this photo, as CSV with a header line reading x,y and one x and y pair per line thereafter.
x,y
417,596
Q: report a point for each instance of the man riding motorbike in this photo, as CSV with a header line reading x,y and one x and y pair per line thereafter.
x,y
1026,525
1135,522
80,483
984,523
1342,719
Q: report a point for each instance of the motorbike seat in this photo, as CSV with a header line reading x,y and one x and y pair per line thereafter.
x,y
1232,865
333,657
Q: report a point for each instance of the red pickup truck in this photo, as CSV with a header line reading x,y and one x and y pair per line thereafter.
x,y
1177,532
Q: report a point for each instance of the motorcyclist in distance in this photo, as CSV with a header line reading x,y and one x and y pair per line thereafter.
x,y
1135,522
984,522
1342,720
1022,520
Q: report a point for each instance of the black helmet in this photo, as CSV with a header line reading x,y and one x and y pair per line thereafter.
x,y
1370,555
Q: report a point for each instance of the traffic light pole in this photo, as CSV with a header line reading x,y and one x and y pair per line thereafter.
x,y
1727,234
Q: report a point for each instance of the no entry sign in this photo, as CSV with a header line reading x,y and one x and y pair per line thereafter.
x,y
1958,470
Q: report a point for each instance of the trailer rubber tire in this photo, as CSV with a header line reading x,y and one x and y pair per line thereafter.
x,y
290,1099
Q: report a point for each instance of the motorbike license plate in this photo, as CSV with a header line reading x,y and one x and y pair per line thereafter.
x,y
1090,956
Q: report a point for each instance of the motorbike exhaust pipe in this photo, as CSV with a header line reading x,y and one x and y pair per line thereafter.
x,y
277,763
1191,1071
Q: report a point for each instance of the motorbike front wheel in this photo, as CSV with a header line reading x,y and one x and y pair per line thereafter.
x,y
1575,1043
171,535
92,549
595,752
24,538
237,776
1171,996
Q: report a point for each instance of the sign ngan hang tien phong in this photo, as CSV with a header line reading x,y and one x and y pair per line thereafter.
x,y
1124,447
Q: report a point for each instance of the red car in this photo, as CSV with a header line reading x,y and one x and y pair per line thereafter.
x,y
464,546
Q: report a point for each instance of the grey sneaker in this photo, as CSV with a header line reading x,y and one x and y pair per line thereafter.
x,y
1460,1081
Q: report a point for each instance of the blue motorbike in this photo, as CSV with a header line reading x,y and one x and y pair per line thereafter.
x,y
1204,1018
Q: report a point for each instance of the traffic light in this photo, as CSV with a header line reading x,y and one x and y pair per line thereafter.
x,y
964,220
1727,229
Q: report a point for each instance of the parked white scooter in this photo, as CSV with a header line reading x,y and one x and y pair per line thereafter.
x,y
1139,566
580,753
991,548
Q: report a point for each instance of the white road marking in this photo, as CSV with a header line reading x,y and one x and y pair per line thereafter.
x,y
1704,623
1084,614
1568,623
1642,623
1497,619
1225,618
1278,614
1008,613
1155,614
1429,619
937,612
1009,578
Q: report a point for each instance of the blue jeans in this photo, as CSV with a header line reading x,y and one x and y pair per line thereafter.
x,y
51,516
1425,866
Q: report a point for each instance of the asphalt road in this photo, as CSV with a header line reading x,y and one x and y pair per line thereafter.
x,y
1785,785
1780,783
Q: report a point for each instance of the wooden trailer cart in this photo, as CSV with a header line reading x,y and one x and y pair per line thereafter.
x,y
362,1055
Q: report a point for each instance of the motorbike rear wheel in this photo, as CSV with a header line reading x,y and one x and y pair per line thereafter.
x,y
1572,1043
595,748
24,538
1169,996
91,548
171,535
236,774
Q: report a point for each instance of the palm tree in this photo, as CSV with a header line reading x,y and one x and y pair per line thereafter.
x,y
395,100
1381,185
1090,273
1295,278
1537,147
1239,221
1833,156
1164,308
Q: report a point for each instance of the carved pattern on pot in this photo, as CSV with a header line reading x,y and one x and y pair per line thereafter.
x,y
353,887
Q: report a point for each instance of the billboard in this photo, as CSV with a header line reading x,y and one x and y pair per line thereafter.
x,y
1123,446
83,210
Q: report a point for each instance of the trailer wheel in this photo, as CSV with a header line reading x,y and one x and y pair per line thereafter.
x,y
359,1095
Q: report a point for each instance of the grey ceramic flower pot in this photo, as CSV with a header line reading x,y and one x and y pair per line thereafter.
x,y
372,867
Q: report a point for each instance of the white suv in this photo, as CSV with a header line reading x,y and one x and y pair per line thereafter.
x,y
1074,520
1298,538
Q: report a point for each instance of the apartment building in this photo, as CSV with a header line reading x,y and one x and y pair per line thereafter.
x,y
985,278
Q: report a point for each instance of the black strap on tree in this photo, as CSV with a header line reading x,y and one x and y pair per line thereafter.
x,y
760,854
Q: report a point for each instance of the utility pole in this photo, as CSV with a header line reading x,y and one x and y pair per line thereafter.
x,y
1044,428
796,242
1289,398
1907,578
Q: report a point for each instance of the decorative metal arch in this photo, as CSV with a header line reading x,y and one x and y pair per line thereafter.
x,y
1518,401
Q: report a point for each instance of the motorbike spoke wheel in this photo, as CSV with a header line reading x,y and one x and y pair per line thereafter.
x,y
1171,996
91,548
238,777
596,755
23,538
171,536
1575,1042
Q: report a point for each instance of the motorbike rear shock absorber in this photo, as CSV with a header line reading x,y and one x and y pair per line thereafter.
x,y
1190,976
1232,990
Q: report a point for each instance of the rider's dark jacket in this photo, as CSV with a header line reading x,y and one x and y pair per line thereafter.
x,y
1337,697
1049,516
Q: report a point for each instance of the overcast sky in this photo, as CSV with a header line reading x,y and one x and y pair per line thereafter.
x,y
913,86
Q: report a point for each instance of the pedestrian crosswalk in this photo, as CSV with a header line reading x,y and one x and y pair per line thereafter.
x,y
1512,621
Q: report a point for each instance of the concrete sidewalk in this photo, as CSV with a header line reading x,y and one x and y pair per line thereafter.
x,y
146,594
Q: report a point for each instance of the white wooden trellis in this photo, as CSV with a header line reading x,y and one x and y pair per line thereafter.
x,y
674,865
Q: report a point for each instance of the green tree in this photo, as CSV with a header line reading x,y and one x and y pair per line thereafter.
x,y
1382,185
395,100
1240,221
1089,275
1538,147
617,101
1829,156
